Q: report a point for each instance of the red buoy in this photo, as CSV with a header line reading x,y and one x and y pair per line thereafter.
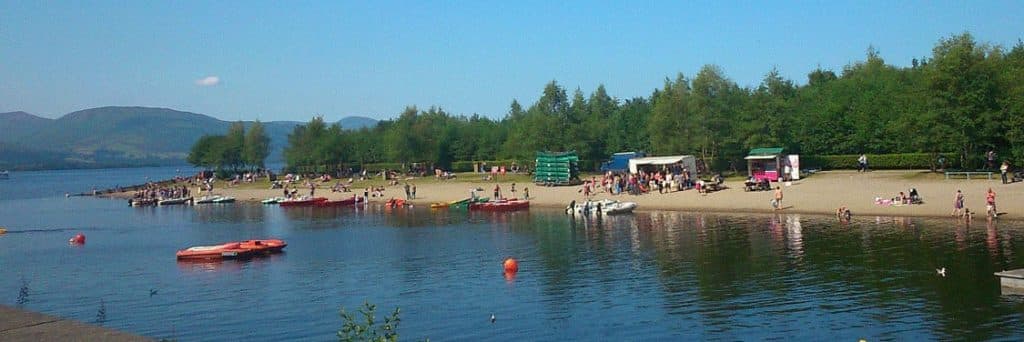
x,y
78,239
511,265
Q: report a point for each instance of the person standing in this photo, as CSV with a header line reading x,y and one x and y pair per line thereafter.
x,y
408,194
1004,169
862,163
513,189
497,192
778,198
991,157
958,203
526,193
990,203
414,191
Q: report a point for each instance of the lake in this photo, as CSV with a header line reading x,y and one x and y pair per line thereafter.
x,y
647,276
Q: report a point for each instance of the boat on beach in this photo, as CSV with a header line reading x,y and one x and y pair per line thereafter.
x,y
606,207
140,202
273,200
174,201
301,202
205,199
329,203
224,199
501,205
232,250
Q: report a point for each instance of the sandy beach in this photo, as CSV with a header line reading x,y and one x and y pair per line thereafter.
x,y
820,193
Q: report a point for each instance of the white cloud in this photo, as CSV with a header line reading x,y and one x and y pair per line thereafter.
x,y
208,81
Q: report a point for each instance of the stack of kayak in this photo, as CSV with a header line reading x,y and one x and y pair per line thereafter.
x,y
302,201
605,207
458,204
232,250
501,205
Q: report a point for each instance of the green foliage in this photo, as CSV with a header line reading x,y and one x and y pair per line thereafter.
x,y
364,326
879,161
233,151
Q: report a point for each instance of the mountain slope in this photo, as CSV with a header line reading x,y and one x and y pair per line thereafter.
x,y
18,125
122,136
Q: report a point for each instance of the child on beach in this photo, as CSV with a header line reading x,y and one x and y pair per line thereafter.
x,y
526,193
990,203
777,201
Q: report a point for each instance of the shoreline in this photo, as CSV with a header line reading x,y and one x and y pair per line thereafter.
x,y
820,194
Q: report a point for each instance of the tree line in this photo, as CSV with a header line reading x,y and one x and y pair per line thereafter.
x,y
237,150
966,98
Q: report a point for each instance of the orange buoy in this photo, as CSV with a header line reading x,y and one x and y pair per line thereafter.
x,y
78,239
511,265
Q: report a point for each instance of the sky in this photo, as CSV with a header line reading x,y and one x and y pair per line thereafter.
x,y
293,60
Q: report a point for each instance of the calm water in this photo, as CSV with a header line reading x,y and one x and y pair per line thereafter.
x,y
649,276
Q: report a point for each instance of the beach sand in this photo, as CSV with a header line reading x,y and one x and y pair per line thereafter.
x,y
820,193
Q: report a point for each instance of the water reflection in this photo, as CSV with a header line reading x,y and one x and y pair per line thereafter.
x,y
659,275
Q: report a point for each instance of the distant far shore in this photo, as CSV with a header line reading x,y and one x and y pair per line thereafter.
x,y
821,193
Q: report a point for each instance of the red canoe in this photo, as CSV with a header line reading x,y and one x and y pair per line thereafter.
x,y
241,249
302,202
503,205
328,203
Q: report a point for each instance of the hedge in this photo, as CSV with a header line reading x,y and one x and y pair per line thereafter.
x,y
878,161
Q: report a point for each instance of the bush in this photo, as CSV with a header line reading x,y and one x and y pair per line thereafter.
x,y
879,161
366,329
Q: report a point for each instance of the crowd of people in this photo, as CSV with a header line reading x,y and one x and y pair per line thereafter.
x,y
663,181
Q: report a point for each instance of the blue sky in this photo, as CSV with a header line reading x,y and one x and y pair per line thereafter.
x,y
291,60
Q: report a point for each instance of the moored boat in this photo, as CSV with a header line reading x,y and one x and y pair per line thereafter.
x,y
273,200
138,202
301,202
173,201
263,246
395,202
222,251
206,199
230,250
606,207
501,205
4,174
224,199
338,203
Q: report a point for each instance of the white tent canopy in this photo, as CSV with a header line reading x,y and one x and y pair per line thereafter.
x,y
687,161
759,157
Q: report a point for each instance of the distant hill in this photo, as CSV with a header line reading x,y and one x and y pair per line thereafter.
x,y
357,122
26,124
121,136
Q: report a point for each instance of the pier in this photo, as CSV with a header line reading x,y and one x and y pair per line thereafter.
x,y
22,325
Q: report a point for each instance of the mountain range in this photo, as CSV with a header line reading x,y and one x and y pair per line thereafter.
x,y
121,136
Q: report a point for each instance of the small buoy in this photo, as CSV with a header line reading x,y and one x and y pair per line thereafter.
x,y
511,265
78,239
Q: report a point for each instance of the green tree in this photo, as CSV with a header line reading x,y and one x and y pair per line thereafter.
x,y
256,147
